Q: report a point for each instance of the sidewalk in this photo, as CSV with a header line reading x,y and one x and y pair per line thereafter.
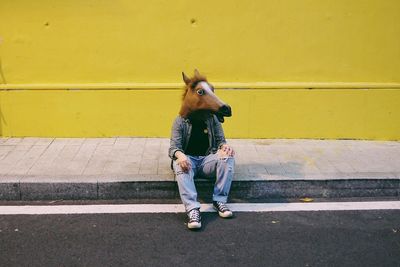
x,y
104,168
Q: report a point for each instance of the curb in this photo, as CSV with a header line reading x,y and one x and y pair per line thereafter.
x,y
245,190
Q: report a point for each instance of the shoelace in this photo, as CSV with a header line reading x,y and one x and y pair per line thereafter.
x,y
194,215
221,206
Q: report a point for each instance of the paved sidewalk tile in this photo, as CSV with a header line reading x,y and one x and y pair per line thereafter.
x,y
81,159
44,141
68,159
12,141
121,168
27,161
45,160
64,158
107,141
99,160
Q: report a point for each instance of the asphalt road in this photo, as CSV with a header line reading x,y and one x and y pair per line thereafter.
x,y
327,238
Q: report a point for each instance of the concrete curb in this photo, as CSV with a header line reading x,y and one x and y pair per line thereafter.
x,y
246,190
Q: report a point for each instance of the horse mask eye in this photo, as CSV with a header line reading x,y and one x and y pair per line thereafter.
x,y
200,92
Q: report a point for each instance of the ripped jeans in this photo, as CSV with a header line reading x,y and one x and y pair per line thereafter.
x,y
211,166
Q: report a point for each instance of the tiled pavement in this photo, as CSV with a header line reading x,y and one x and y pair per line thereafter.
x,y
145,159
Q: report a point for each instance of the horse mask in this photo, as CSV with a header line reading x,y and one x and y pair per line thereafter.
x,y
199,100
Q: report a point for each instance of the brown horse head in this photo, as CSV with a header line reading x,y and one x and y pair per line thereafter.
x,y
200,101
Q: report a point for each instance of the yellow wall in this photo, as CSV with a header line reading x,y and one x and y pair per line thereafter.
x,y
122,59
291,113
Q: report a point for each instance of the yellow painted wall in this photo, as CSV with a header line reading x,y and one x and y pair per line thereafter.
x,y
123,61
290,113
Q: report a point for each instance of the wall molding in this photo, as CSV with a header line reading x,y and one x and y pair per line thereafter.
x,y
219,85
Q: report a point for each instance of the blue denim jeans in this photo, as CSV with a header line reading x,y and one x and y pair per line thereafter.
x,y
212,166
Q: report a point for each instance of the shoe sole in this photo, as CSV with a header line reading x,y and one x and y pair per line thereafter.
x,y
194,226
222,215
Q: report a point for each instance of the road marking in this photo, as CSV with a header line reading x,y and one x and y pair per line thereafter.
x,y
177,208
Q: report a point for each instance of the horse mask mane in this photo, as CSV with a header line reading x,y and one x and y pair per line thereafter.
x,y
199,100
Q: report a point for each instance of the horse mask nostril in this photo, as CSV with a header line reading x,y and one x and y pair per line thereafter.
x,y
225,110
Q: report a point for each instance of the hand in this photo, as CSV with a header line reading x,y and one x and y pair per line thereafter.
x,y
183,161
226,151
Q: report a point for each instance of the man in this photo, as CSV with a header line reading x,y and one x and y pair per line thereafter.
x,y
198,148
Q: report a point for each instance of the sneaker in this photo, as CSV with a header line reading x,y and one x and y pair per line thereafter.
x,y
194,219
222,209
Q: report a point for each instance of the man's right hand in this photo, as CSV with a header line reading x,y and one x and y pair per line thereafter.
x,y
183,161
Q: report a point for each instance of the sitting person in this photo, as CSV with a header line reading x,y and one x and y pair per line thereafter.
x,y
198,148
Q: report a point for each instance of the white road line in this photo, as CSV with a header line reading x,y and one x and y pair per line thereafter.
x,y
176,208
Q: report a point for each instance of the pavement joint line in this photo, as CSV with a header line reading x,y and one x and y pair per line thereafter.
x,y
178,208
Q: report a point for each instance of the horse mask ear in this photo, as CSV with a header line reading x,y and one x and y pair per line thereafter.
x,y
186,79
196,73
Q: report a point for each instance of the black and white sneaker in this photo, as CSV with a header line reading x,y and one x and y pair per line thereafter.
x,y
223,210
194,219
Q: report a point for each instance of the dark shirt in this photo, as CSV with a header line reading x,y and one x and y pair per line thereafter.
x,y
180,134
198,141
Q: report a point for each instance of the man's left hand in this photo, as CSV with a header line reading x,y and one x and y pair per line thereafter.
x,y
226,151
